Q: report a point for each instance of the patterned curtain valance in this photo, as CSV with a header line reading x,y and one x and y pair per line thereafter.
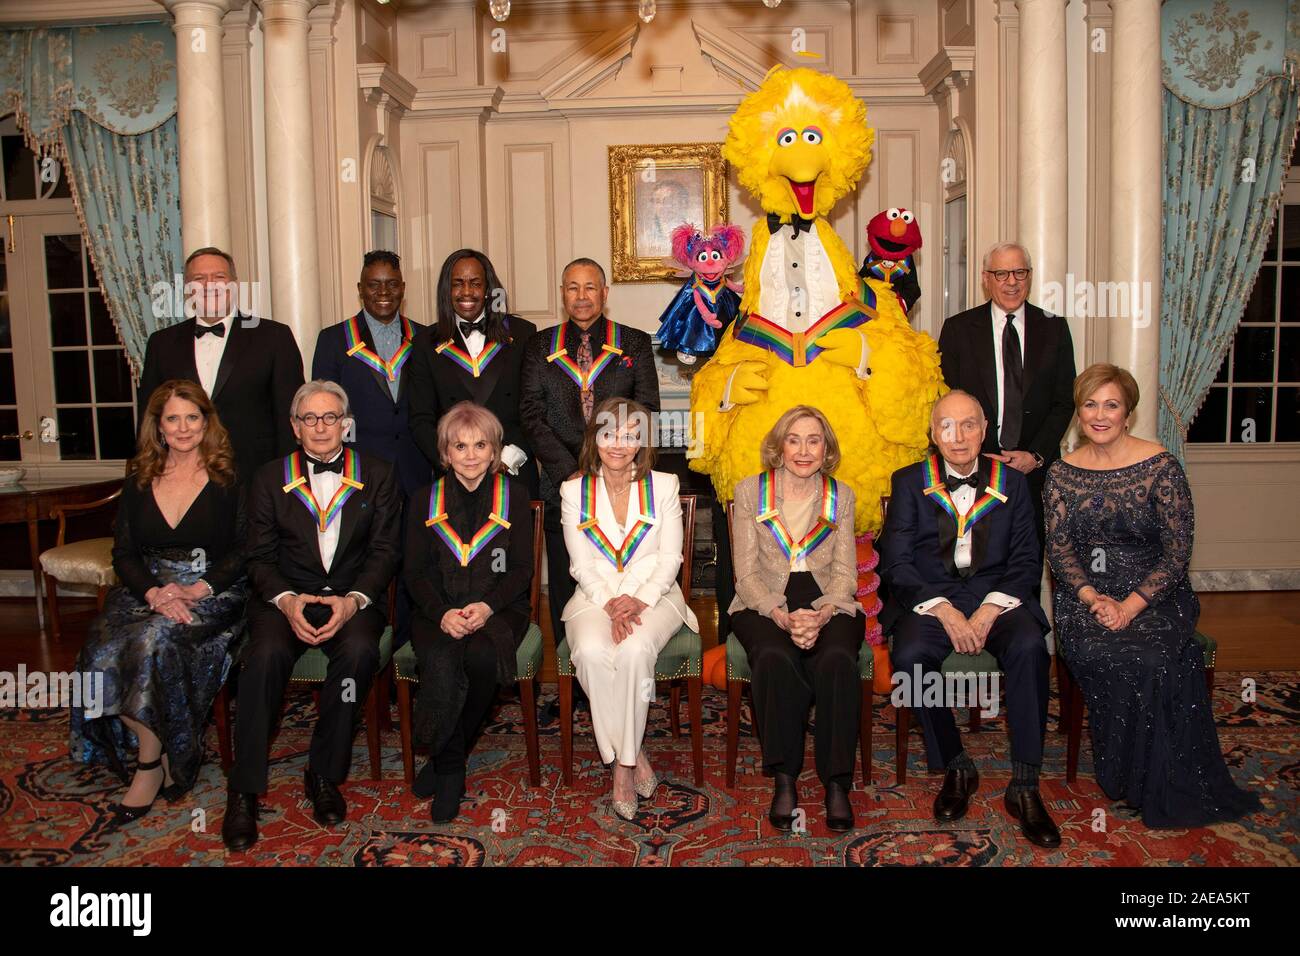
x,y
121,76
1218,52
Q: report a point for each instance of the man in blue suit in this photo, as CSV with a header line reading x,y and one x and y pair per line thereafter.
x,y
367,354
960,558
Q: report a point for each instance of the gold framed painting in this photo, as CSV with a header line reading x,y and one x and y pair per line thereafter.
x,y
654,189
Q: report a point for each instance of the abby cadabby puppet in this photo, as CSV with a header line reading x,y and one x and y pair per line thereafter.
x,y
707,302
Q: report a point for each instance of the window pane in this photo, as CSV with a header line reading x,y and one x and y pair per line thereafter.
x,y
76,434
10,450
58,189
1291,234
63,262
68,318
1290,311
19,169
101,326
1252,354
1251,406
1260,307
116,432
1288,356
1288,414
1211,422
112,376
6,336
4,273
71,378
8,395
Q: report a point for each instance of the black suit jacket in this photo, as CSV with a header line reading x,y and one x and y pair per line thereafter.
x,y
382,425
260,370
916,548
283,549
438,383
966,354
552,402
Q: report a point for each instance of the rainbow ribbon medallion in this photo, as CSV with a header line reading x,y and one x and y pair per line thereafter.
x,y
770,515
994,493
296,481
610,352
357,347
469,363
466,551
800,348
588,525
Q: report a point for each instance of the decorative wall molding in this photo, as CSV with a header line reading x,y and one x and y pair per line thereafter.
x,y
383,85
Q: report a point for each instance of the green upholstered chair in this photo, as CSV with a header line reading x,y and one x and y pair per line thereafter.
x,y
680,660
310,669
528,665
739,676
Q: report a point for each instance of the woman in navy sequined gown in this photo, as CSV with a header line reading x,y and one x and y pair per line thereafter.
x,y
161,642
1119,540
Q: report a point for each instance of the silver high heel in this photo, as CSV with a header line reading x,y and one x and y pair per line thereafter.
x,y
624,808
647,788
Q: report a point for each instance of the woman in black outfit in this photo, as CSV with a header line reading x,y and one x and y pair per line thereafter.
x,y
469,567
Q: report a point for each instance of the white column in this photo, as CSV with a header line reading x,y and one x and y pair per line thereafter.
x,y
290,172
1136,180
201,123
1042,202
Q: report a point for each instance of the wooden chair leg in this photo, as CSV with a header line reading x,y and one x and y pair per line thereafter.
x,y
675,709
404,725
864,732
695,699
101,593
528,704
221,717
1075,734
902,717
52,608
372,731
1209,679
384,686
733,729
566,728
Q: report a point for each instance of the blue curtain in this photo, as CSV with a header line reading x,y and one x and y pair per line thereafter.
x,y
1230,110
103,101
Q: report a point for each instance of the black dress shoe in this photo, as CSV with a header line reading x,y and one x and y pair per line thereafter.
x,y
954,797
785,799
449,790
425,781
328,805
1035,822
839,811
239,828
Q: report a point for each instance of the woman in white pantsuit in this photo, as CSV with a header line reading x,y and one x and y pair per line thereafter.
x,y
623,531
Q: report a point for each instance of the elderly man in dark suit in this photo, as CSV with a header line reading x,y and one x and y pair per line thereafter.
x,y
960,556
250,366
1019,362
323,543
567,369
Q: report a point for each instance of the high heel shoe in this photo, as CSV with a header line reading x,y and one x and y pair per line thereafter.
x,y
128,814
624,808
646,788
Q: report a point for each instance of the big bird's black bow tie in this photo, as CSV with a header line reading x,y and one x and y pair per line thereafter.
x,y
799,223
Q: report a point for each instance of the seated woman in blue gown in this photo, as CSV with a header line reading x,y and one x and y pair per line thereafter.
x,y
1119,539
161,642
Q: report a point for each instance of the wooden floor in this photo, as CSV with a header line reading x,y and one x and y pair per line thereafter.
x,y
1256,631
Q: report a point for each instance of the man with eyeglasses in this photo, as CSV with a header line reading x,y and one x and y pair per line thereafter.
x,y
1019,362
323,545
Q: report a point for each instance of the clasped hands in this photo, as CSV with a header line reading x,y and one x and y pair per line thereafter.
x,y
342,607
624,612
967,634
173,601
1111,614
804,624
461,622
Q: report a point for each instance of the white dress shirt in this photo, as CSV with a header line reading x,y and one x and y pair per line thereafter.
x,y
963,498
999,321
208,350
512,456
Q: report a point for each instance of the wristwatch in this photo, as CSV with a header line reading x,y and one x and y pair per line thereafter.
x,y
1037,458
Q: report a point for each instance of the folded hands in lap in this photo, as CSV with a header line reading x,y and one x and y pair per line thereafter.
x,y
625,613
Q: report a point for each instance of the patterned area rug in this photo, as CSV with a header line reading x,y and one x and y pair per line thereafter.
x,y
56,811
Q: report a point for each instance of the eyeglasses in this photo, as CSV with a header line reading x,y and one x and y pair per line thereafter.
x,y
1002,274
311,418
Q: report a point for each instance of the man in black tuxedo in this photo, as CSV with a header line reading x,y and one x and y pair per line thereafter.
x,y
556,406
371,355
960,558
1021,370
250,367
474,353
323,544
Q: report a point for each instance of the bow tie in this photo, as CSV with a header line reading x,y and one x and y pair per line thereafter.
x,y
799,224
953,482
335,466
200,330
479,325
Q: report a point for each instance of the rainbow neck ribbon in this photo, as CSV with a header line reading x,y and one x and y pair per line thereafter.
x,y
709,290
296,481
994,493
357,347
619,557
466,551
800,348
469,363
770,515
876,269
610,352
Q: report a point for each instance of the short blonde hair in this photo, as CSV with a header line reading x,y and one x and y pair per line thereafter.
x,y
1103,373
772,450
468,416
618,411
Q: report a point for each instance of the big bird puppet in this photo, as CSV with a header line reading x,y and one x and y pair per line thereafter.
x,y
810,331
